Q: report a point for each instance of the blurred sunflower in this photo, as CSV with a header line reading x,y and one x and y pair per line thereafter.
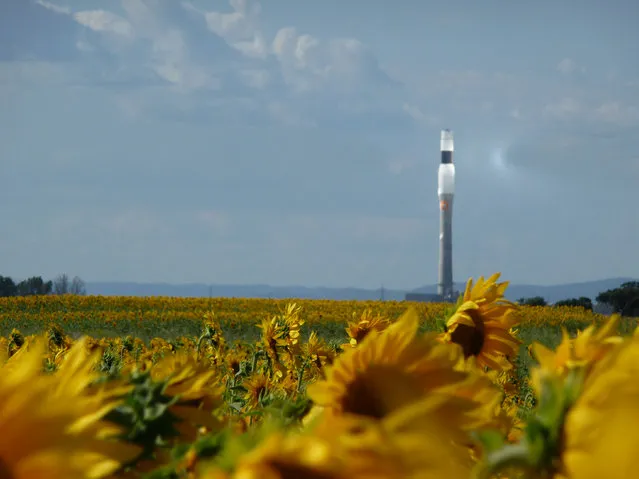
x,y
283,456
51,432
584,423
482,324
293,322
392,369
234,358
318,353
601,437
359,328
198,388
586,349
273,337
416,441
257,385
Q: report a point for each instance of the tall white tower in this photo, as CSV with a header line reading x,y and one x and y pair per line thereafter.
x,y
446,193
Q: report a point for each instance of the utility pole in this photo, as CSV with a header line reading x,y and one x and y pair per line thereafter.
x,y
381,293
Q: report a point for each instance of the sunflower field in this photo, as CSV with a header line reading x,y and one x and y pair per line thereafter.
x,y
97,387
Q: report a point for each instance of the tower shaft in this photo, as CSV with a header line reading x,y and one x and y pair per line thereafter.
x,y
446,193
445,276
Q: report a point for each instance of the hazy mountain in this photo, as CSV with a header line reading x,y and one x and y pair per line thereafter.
x,y
552,293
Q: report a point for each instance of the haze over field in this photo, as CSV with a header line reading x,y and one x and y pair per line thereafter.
x,y
514,292
298,142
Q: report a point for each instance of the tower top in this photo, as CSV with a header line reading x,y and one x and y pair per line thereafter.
x,y
446,143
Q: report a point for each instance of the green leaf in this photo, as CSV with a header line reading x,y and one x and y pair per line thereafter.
x,y
236,405
490,439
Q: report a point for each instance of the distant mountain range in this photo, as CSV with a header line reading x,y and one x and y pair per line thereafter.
x,y
551,294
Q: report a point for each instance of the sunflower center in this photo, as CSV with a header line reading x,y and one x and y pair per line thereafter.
x,y
235,365
361,333
286,470
362,399
5,470
379,390
471,339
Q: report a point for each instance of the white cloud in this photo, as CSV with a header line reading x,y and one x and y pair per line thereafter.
x,y
398,166
257,79
288,116
617,113
240,28
414,112
566,66
103,21
218,221
84,46
565,108
256,48
306,62
36,72
239,25
611,112
133,221
171,61
169,52
53,7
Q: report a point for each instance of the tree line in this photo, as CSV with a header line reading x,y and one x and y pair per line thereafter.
x,y
35,286
623,300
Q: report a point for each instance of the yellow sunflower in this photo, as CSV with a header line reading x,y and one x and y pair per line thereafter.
x,y
601,437
273,338
585,423
586,349
359,328
416,441
234,358
393,369
283,456
256,385
483,322
318,353
198,387
51,432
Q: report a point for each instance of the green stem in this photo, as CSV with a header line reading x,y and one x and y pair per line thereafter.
x,y
510,455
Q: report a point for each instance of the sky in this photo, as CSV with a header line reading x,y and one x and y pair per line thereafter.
x,y
289,142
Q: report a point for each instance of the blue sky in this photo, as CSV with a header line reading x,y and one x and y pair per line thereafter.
x,y
297,142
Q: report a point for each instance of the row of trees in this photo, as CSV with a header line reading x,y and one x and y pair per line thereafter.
x,y
583,302
623,300
35,285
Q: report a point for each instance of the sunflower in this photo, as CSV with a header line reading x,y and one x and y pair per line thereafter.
x,y
273,337
590,346
600,429
359,328
293,322
393,369
415,441
288,384
256,387
234,358
584,424
51,432
296,456
198,388
482,324
318,353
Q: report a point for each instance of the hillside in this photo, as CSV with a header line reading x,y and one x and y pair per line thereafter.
x,y
515,291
